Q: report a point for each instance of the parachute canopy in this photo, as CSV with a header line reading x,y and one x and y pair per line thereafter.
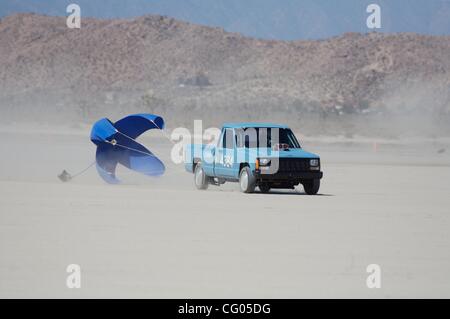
x,y
116,144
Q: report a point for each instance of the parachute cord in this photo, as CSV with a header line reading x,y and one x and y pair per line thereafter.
x,y
132,149
114,143
162,131
123,134
82,171
129,148
130,138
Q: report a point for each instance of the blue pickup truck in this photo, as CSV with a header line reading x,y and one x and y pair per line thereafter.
x,y
267,156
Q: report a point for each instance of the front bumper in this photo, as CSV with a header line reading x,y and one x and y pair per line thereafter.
x,y
287,176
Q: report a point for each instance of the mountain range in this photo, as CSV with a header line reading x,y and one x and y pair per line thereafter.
x,y
184,71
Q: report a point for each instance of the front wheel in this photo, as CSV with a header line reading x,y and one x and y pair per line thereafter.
x,y
311,186
200,178
247,181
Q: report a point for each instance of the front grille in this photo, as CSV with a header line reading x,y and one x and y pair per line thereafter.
x,y
290,165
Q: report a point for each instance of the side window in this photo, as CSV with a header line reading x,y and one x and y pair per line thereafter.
x,y
246,137
228,138
220,139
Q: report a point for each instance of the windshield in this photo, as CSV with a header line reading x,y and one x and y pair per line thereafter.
x,y
265,137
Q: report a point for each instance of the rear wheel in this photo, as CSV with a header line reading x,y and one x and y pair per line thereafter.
x,y
311,186
264,188
247,181
200,178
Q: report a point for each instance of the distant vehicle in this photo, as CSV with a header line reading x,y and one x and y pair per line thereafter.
x,y
267,156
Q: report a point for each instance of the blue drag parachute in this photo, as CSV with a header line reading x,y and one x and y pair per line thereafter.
x,y
116,144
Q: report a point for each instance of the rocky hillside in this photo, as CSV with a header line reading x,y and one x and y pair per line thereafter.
x,y
186,71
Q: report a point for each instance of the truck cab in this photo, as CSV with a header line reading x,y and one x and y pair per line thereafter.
x,y
256,155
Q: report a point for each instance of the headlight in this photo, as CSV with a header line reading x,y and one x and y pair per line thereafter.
x,y
314,162
264,161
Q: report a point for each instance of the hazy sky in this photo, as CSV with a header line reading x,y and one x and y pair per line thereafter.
x,y
277,19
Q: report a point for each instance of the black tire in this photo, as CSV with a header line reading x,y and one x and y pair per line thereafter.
x,y
247,182
200,178
311,186
264,188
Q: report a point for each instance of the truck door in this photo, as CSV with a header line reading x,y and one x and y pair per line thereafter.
x,y
225,154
